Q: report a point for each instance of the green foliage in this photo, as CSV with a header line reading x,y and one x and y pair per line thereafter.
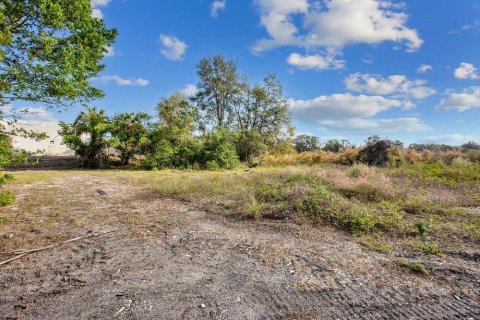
x,y
218,151
421,227
49,50
171,140
430,248
336,145
471,145
306,143
6,198
416,267
219,89
87,136
254,209
129,134
437,171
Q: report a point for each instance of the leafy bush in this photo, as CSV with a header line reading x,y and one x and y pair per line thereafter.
x,y
421,227
218,151
87,136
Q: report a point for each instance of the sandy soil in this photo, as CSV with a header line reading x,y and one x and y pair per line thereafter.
x,y
170,260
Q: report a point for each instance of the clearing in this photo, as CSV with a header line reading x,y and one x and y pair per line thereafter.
x,y
170,258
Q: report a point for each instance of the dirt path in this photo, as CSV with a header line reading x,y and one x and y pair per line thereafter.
x,y
169,260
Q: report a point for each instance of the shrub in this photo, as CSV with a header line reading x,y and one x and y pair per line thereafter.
x,y
6,198
218,151
254,209
421,227
87,136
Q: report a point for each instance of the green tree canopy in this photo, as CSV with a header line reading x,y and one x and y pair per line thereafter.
x,y
305,143
87,136
129,134
49,49
219,89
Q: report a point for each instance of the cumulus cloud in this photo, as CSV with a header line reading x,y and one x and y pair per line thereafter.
x,y
466,71
398,86
451,139
461,101
173,48
190,90
315,62
217,6
334,24
382,126
96,4
353,113
424,68
123,81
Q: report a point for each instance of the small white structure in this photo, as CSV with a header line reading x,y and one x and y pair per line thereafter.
x,y
52,146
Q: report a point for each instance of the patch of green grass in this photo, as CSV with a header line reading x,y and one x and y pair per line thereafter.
x,y
254,209
27,177
377,243
429,247
6,198
437,171
422,228
416,267
3,220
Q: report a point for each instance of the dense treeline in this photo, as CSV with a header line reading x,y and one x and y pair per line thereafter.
x,y
226,122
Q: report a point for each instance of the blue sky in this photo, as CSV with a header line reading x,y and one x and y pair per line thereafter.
x,y
406,70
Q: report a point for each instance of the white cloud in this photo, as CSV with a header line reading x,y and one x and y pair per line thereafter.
x,y
424,68
190,90
466,71
96,11
451,139
378,126
353,113
315,62
173,48
27,114
398,86
217,6
334,24
341,106
461,101
110,51
123,81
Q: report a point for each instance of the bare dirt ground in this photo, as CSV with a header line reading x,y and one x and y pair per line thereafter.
x,y
168,259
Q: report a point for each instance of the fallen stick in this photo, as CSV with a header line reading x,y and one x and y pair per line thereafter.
x,y
22,253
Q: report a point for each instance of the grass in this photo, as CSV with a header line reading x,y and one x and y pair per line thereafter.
x,y
364,201
27,177
416,267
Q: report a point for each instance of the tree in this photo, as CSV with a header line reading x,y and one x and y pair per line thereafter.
x,y
49,49
87,136
172,143
306,143
129,134
470,145
219,90
372,140
262,117
336,145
